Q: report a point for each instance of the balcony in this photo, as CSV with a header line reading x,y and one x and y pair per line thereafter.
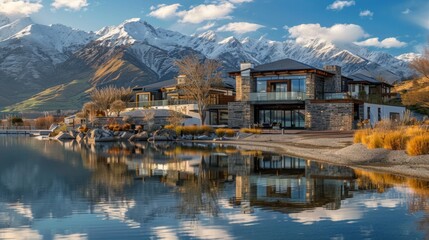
x,y
341,95
277,96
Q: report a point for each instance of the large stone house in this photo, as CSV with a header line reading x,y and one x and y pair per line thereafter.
x,y
291,94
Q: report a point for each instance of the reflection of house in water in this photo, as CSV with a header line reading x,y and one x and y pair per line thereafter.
x,y
290,183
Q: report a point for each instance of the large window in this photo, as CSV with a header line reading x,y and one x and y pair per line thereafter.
x,y
281,84
282,118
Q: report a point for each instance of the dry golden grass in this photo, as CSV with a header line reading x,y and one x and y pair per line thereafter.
x,y
376,140
360,136
225,132
251,130
194,130
418,145
395,140
415,131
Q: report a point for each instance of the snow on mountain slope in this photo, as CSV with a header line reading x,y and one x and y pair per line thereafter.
x,y
11,28
408,57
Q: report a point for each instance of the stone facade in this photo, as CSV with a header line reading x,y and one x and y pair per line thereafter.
x,y
333,84
329,115
240,114
310,83
243,88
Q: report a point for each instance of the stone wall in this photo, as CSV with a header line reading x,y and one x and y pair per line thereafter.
x,y
240,114
310,84
244,86
329,115
333,84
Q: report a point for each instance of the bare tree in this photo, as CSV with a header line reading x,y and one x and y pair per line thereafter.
x,y
201,76
118,106
175,118
149,119
104,97
421,64
89,110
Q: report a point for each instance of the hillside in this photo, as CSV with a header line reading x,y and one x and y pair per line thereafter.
x,y
415,94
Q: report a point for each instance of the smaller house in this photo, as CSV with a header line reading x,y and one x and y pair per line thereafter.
x,y
369,89
168,95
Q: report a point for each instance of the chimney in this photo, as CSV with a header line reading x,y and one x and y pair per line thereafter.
x,y
181,79
334,85
245,66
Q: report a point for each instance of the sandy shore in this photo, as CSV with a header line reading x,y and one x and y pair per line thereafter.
x,y
337,148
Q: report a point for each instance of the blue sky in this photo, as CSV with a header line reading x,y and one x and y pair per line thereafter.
x,y
393,26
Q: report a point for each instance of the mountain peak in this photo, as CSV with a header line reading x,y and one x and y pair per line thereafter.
x,y
229,40
408,57
209,35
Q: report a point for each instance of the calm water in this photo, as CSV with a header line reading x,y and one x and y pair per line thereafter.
x,y
53,190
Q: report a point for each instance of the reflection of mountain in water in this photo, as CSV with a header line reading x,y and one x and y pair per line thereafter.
x,y
143,185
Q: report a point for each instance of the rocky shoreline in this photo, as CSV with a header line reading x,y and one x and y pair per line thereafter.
x,y
330,147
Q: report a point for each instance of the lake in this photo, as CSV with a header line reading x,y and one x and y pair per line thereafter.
x,y
54,190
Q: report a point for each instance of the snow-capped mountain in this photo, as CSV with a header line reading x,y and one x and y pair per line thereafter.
x,y
136,53
408,57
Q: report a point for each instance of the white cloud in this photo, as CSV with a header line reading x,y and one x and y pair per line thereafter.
x,y
366,13
240,27
338,33
206,27
164,11
203,12
74,5
274,28
386,43
406,11
339,5
20,7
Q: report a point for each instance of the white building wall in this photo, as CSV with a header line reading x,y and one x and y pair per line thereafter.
x,y
385,112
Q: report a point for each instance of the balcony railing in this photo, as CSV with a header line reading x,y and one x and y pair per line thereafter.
x,y
277,96
342,95
158,103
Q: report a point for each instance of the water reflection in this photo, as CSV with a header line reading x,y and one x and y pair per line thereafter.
x,y
181,190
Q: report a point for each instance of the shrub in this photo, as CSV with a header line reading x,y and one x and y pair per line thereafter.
x,y
220,132
360,135
230,132
44,122
169,126
375,140
126,126
117,128
415,131
225,132
17,121
418,145
395,140
251,130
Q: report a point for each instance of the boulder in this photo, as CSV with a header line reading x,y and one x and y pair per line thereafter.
x,y
101,135
64,136
125,135
142,136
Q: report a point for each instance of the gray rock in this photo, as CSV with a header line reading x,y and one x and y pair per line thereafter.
x,y
64,136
